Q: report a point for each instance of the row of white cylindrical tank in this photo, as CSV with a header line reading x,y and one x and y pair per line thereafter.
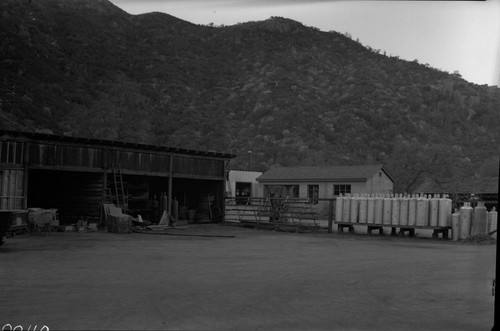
x,y
398,209
414,211
469,221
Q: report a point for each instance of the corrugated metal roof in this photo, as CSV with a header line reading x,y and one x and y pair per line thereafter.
x,y
475,185
332,173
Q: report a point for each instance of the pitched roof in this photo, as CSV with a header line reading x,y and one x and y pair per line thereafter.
x,y
354,173
475,185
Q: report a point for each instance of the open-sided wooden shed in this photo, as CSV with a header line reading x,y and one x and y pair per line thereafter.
x,y
74,175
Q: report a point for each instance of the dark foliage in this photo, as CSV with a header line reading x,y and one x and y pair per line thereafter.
x,y
289,93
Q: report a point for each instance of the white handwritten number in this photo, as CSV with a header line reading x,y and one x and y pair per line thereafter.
x,y
8,327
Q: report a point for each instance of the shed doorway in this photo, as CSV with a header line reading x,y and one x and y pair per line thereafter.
x,y
76,195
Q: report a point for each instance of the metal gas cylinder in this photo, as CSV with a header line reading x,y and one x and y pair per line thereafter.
x,y
422,215
465,220
338,208
379,209
387,207
433,211
370,214
445,210
363,209
403,210
396,207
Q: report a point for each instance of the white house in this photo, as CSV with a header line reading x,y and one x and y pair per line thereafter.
x,y
324,182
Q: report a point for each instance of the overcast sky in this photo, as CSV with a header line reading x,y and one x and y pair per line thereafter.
x,y
448,35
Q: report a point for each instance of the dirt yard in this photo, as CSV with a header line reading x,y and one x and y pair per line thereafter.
x,y
244,279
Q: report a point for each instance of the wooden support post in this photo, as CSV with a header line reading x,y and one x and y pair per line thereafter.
x,y
443,232
330,216
170,173
26,175
348,226
375,227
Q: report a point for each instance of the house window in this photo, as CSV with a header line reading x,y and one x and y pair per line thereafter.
x,y
341,189
313,193
282,191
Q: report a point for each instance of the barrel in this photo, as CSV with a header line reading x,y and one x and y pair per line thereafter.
x,y
465,220
403,211
396,207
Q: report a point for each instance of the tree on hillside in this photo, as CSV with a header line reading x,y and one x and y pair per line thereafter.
x,y
120,112
410,162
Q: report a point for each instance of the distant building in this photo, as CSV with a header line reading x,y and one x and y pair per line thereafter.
x,y
242,184
325,182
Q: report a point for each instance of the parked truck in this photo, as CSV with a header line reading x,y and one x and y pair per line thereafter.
x,y
12,222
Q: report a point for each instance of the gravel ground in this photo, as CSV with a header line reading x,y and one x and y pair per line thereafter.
x,y
212,277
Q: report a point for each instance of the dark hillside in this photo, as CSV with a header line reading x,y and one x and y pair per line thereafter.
x,y
289,93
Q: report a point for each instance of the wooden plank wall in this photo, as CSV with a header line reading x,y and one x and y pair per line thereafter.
x,y
69,156
190,166
12,189
12,152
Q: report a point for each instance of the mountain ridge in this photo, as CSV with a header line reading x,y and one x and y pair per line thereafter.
x,y
291,94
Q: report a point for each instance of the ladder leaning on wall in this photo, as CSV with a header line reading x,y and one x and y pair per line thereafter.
x,y
119,198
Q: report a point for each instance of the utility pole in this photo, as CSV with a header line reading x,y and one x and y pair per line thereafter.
x,y
249,160
7,99
12,107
